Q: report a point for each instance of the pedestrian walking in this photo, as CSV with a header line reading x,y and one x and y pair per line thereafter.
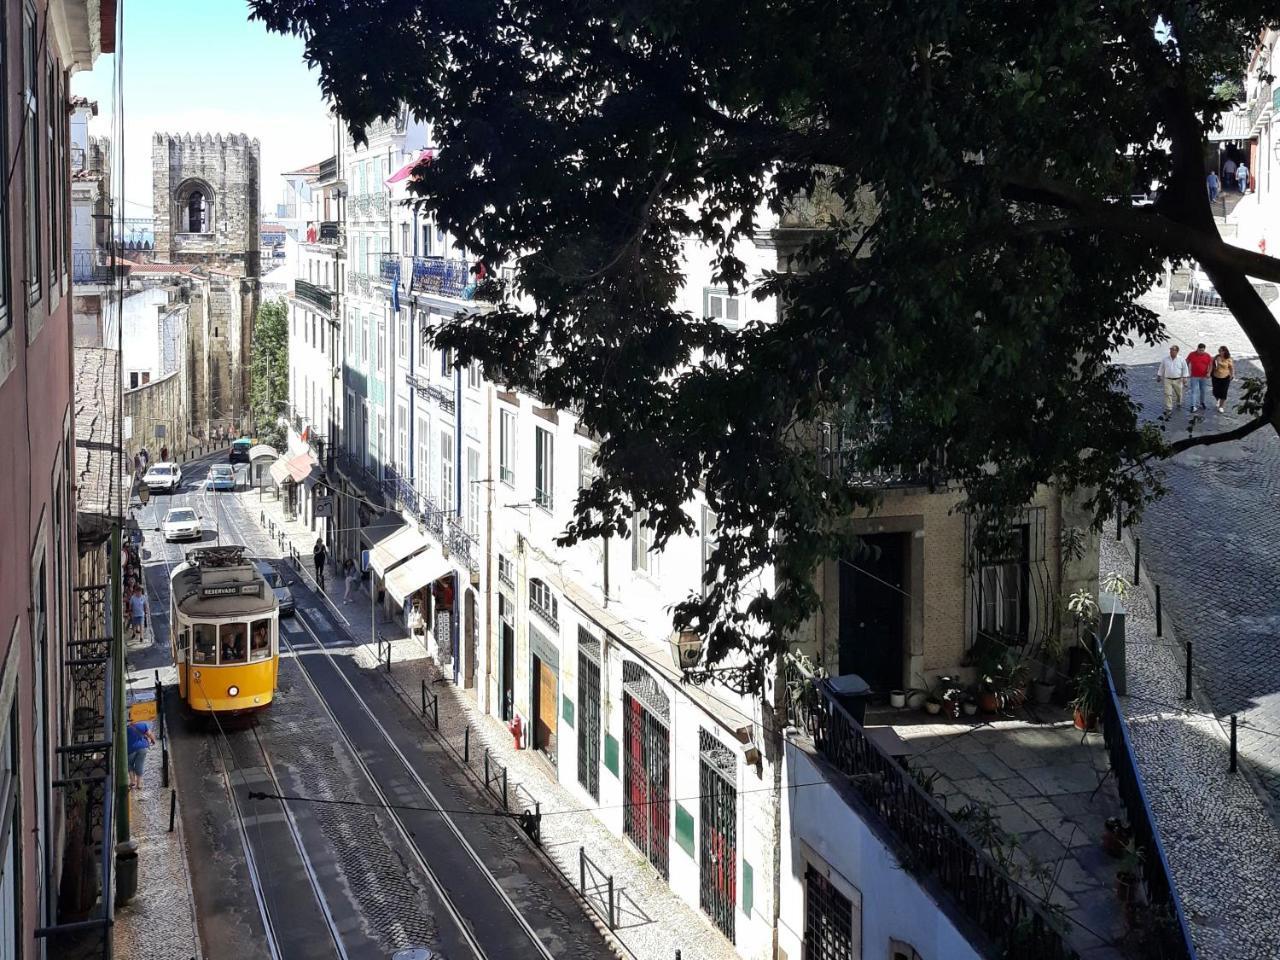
x,y
164,451
1173,371
1211,182
137,612
146,458
349,577
1228,174
140,737
1199,364
319,554
1224,368
1242,177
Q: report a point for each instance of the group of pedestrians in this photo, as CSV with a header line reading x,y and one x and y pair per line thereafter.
x,y
350,572
1199,375
1234,176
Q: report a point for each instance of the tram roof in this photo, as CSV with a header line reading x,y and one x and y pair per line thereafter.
x,y
186,584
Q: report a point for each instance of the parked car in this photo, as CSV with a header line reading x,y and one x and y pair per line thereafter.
x,y
163,477
222,476
181,523
284,596
240,451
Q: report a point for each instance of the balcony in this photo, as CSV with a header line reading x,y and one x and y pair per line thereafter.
x,y
842,452
328,170
389,268
361,283
90,266
369,205
442,396
314,294
331,232
442,524
1261,107
443,278
362,475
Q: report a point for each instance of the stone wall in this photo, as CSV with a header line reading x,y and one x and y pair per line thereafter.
x,y
161,402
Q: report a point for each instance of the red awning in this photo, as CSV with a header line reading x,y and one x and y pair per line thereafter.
x,y
300,466
404,171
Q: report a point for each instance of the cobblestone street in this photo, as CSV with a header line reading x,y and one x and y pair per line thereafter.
x,y
1213,543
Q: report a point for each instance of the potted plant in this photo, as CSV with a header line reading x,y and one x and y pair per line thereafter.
x,y
1128,874
1089,685
1015,691
1116,835
932,704
949,692
897,699
969,705
916,699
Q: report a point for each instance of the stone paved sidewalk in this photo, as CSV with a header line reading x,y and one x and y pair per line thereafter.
x,y
1223,847
653,923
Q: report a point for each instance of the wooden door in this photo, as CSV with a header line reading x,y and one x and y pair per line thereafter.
x,y
548,700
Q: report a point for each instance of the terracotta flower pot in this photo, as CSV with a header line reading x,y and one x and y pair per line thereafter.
x,y
1084,723
988,702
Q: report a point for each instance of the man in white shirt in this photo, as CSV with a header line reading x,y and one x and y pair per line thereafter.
x,y
1173,371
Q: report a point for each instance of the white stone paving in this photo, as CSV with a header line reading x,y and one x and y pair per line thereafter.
x,y
1222,845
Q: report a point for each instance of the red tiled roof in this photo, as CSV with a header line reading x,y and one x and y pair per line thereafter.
x,y
309,170
162,268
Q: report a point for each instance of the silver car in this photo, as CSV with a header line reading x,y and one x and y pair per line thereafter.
x,y
284,596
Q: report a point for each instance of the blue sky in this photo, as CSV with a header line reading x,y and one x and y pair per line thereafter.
x,y
200,66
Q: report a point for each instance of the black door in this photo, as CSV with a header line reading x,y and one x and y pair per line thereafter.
x,y
507,679
873,610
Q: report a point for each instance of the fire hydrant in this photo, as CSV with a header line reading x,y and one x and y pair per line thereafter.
x,y
516,726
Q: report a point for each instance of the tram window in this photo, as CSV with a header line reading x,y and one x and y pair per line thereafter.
x,y
232,637
260,640
184,637
205,649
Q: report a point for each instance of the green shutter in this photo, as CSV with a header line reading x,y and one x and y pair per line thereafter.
x,y
684,829
748,894
567,711
611,754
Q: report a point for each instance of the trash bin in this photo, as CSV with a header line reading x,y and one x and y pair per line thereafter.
x,y
851,692
126,871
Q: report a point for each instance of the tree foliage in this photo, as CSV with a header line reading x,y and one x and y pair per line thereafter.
x,y
269,371
977,263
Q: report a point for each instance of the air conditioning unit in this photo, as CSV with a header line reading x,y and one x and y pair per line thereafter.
x,y
686,649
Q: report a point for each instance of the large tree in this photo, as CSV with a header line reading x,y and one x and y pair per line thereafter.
x,y
269,371
977,266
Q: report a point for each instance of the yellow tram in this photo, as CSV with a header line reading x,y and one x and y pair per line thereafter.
x,y
224,621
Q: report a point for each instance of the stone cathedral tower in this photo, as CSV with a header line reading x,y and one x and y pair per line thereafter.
x,y
205,200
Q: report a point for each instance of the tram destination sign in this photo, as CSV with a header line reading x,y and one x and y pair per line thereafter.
x,y
232,589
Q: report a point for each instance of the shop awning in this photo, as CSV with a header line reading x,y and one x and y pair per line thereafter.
x,y
404,171
301,466
279,472
412,576
401,545
379,530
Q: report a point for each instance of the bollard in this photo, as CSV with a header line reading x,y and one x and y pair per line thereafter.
x,y
486,768
1159,617
1118,525
388,656
164,764
582,870
1137,560
1233,743
173,807
435,711
424,698
613,913
1187,694
466,744
504,790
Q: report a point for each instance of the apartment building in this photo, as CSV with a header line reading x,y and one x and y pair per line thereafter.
x,y
41,44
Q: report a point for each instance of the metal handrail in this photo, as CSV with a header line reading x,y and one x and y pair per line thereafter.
x,y
1157,877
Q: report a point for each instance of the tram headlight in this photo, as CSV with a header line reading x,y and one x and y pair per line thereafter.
x,y
233,691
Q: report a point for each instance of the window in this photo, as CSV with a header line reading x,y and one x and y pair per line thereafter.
x,y
708,545
233,646
643,557
260,640
719,306
404,238
6,317
543,602
55,173
506,571
195,212
446,363
11,887
422,467
507,447
365,336
830,931
402,437
544,468
1003,588
473,492
31,138
446,470
586,466
382,345
902,951
473,375
402,334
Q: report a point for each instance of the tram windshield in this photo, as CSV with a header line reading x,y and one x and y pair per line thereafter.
x,y
233,644
205,647
260,640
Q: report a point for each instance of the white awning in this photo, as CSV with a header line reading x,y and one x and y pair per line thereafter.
x,y
416,574
401,545
280,472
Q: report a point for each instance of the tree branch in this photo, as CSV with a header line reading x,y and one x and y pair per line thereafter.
x,y
1209,439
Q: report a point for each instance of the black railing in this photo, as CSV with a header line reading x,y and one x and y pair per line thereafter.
x,y
313,293
330,231
441,524
328,170
841,453
934,842
90,266
1174,937
445,278
389,267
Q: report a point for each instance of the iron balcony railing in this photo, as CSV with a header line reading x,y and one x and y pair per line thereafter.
x,y
369,204
331,232
443,278
1174,937
86,902
361,283
841,452
315,294
389,267
935,842
328,170
355,470
442,524
90,266
1260,104
441,395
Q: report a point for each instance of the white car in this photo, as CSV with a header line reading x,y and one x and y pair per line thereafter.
x,y
164,477
181,523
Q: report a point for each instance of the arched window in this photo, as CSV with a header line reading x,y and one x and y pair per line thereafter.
x,y
195,212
